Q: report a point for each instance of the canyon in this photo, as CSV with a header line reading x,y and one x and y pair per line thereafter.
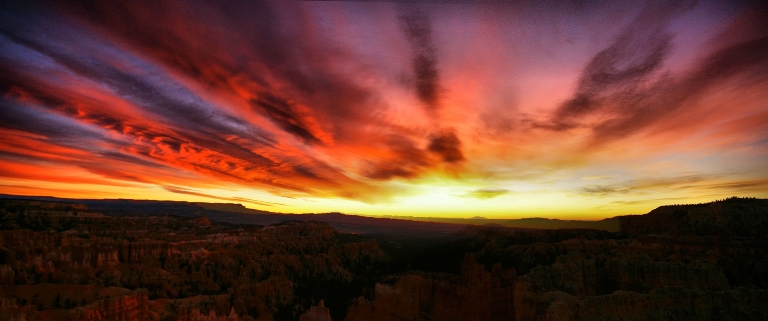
x,y
147,260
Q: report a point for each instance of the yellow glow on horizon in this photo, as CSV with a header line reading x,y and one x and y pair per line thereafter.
x,y
429,200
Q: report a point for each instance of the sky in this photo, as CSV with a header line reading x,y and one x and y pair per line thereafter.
x,y
559,109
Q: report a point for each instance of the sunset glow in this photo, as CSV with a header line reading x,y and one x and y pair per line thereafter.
x,y
559,109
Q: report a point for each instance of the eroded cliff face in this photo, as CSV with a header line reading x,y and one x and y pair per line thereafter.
x,y
194,314
10,310
669,303
567,290
474,295
128,307
733,216
91,267
697,262
38,303
317,313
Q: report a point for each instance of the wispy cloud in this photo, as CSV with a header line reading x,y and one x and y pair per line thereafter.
x,y
323,100
486,193
703,182
627,88
181,190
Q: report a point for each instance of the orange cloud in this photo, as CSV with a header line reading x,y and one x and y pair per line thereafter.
x,y
308,100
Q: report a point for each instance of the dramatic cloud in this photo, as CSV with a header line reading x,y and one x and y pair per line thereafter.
x,y
447,145
181,190
487,193
630,186
381,108
626,86
418,30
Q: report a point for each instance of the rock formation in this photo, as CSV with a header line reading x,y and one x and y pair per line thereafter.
x,y
128,307
317,313
475,295
61,260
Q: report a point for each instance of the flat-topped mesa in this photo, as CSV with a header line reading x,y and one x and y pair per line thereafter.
x,y
43,205
30,207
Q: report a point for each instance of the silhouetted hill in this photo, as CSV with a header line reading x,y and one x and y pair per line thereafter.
x,y
732,216
742,216
237,214
608,224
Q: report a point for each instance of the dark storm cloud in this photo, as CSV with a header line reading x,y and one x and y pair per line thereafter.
x,y
446,144
418,30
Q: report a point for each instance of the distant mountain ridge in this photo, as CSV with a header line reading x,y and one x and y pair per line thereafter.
x,y
608,224
237,214
732,215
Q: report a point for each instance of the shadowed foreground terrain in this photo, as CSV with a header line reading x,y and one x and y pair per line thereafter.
x,y
135,260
